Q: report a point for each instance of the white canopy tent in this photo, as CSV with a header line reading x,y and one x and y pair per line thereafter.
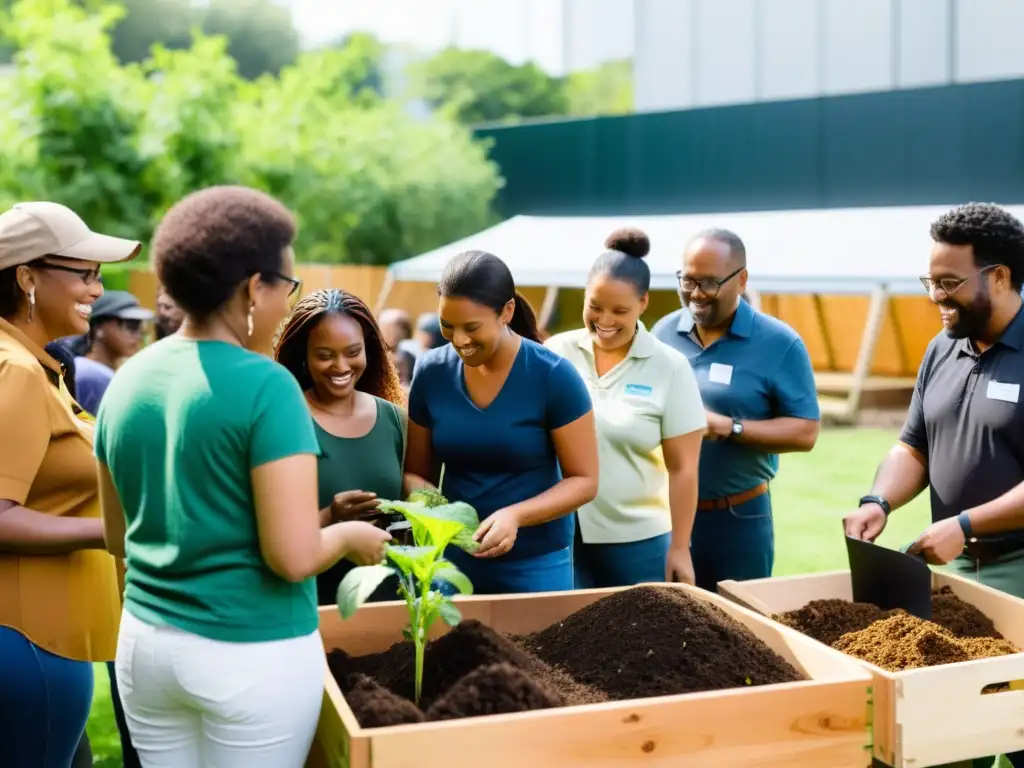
x,y
845,250
877,251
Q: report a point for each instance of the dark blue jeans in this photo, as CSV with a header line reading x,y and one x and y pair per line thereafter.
x,y
597,566
499,576
44,704
736,543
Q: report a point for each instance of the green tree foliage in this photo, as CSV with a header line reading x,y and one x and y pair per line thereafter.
x,y
481,87
121,143
604,90
262,34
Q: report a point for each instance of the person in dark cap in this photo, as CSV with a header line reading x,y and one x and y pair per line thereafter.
x,y
428,331
115,334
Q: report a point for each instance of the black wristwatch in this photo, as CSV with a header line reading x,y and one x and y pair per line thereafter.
x,y
737,429
877,500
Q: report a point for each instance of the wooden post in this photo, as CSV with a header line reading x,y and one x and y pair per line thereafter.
x,y
868,343
547,308
754,297
385,291
819,313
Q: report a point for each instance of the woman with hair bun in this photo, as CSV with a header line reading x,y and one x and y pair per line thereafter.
x,y
513,426
650,422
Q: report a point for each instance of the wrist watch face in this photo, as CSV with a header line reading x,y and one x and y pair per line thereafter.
x,y
737,428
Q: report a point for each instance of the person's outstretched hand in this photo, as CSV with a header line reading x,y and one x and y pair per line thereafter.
x,y
366,542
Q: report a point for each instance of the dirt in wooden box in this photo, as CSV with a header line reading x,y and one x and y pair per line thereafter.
x,y
656,641
646,641
895,640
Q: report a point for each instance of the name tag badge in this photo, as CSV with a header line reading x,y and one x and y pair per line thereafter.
x,y
720,373
640,390
999,390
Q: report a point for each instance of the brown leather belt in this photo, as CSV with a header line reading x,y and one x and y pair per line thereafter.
x,y
733,501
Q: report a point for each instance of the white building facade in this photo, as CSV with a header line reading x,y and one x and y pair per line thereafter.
x,y
699,53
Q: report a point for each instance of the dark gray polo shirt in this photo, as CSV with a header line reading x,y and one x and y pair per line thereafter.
x,y
967,418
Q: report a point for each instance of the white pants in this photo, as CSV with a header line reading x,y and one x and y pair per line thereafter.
x,y
191,702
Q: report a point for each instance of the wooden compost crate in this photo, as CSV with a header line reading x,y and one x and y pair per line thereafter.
x,y
930,716
822,721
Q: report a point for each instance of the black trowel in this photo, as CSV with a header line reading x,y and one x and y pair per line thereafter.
x,y
889,578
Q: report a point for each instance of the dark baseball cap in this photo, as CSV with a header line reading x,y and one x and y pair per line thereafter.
x,y
121,305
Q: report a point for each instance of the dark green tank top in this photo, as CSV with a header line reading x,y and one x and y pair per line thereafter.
x,y
371,463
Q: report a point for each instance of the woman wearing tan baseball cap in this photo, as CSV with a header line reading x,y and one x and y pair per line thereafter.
x,y
59,601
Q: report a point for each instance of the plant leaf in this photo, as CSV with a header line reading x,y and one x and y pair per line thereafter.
x,y
464,540
415,560
358,585
456,578
400,506
432,531
458,511
449,614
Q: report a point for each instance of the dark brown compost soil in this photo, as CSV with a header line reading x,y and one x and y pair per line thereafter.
x,y
646,641
895,640
656,641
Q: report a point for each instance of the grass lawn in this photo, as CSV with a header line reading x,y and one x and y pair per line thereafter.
x,y
812,493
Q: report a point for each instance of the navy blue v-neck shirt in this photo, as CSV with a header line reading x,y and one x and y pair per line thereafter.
x,y
502,454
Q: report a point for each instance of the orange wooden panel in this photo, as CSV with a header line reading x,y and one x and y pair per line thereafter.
x,y
918,322
143,285
798,312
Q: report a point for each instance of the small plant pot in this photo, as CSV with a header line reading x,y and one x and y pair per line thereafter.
x,y
401,532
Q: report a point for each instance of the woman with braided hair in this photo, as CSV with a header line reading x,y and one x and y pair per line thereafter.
x,y
333,346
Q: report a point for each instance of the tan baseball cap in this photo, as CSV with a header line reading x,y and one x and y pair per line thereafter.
x,y
29,231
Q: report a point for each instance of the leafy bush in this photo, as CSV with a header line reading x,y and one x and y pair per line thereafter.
x,y
120,144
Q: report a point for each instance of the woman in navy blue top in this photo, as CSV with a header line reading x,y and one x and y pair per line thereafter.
x,y
511,421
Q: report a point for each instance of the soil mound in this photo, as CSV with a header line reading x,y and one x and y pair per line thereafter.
x,y
377,706
495,689
828,620
895,640
657,641
904,642
959,617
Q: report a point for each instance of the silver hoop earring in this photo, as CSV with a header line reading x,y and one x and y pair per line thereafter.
x,y
31,302
249,320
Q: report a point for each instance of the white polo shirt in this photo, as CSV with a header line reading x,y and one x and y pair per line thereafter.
x,y
651,396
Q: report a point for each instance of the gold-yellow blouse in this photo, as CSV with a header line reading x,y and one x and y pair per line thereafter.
x,y
69,603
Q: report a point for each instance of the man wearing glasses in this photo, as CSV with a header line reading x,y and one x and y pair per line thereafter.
x,y
757,385
964,433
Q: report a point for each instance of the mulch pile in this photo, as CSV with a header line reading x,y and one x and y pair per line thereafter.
x,y
646,641
895,640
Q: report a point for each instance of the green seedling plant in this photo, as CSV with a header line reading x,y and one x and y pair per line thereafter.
x,y
419,568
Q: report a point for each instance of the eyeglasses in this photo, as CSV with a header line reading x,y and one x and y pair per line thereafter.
x,y
293,293
132,326
950,285
89,276
709,286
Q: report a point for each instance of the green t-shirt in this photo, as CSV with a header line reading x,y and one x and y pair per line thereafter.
x,y
370,463
180,427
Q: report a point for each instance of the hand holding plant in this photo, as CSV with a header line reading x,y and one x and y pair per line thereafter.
x,y
367,544
418,568
497,533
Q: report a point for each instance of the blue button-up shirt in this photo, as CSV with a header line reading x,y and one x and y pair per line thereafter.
x,y
758,370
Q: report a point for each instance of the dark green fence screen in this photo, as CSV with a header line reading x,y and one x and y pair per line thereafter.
x,y
907,147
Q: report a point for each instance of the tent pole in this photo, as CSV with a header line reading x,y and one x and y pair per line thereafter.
x,y
868,343
385,291
547,308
